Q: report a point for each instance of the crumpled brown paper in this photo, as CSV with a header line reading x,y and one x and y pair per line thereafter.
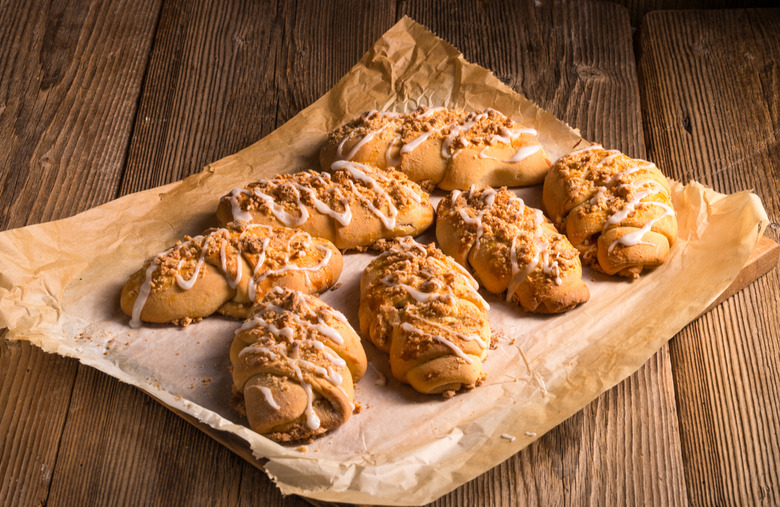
x,y
60,283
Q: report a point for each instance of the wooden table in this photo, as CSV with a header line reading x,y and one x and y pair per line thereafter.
x,y
101,99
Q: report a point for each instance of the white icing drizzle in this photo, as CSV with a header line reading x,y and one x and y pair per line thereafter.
x,y
294,267
188,284
524,152
236,211
355,172
290,342
358,172
279,212
233,282
390,160
252,289
635,237
455,349
143,293
407,243
257,275
483,156
487,199
476,338
417,141
269,398
344,218
367,138
541,250
417,295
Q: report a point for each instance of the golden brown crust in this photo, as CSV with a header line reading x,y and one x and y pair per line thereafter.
x,y
617,211
423,309
448,147
511,248
294,363
352,206
226,270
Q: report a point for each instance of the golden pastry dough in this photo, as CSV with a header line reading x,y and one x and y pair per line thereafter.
x,y
448,148
511,248
423,309
294,363
617,211
353,205
226,270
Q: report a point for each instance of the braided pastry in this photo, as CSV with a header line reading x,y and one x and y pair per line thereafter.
x,y
353,206
617,211
423,309
448,148
511,247
226,270
294,362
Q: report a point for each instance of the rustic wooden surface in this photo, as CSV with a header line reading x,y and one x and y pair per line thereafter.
x,y
711,103
97,101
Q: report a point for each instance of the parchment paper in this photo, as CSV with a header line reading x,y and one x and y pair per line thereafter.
x,y
60,283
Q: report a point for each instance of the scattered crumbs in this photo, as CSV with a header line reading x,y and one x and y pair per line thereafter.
x,y
127,343
207,380
497,337
381,380
192,386
336,287
100,344
512,341
509,437
147,339
530,433
316,450
178,353
198,342
301,448
178,396
105,353
131,334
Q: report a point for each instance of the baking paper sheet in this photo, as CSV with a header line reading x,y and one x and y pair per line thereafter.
x,y
60,284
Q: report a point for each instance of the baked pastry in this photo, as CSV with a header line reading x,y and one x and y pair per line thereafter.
x,y
616,210
423,309
511,248
448,148
294,362
353,205
226,270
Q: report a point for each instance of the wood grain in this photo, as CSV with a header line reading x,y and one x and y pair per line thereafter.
x,y
577,62
99,99
711,95
70,75
219,78
638,8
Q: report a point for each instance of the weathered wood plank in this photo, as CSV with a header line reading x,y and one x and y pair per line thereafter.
x,y
70,74
209,91
575,60
219,78
638,8
711,95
